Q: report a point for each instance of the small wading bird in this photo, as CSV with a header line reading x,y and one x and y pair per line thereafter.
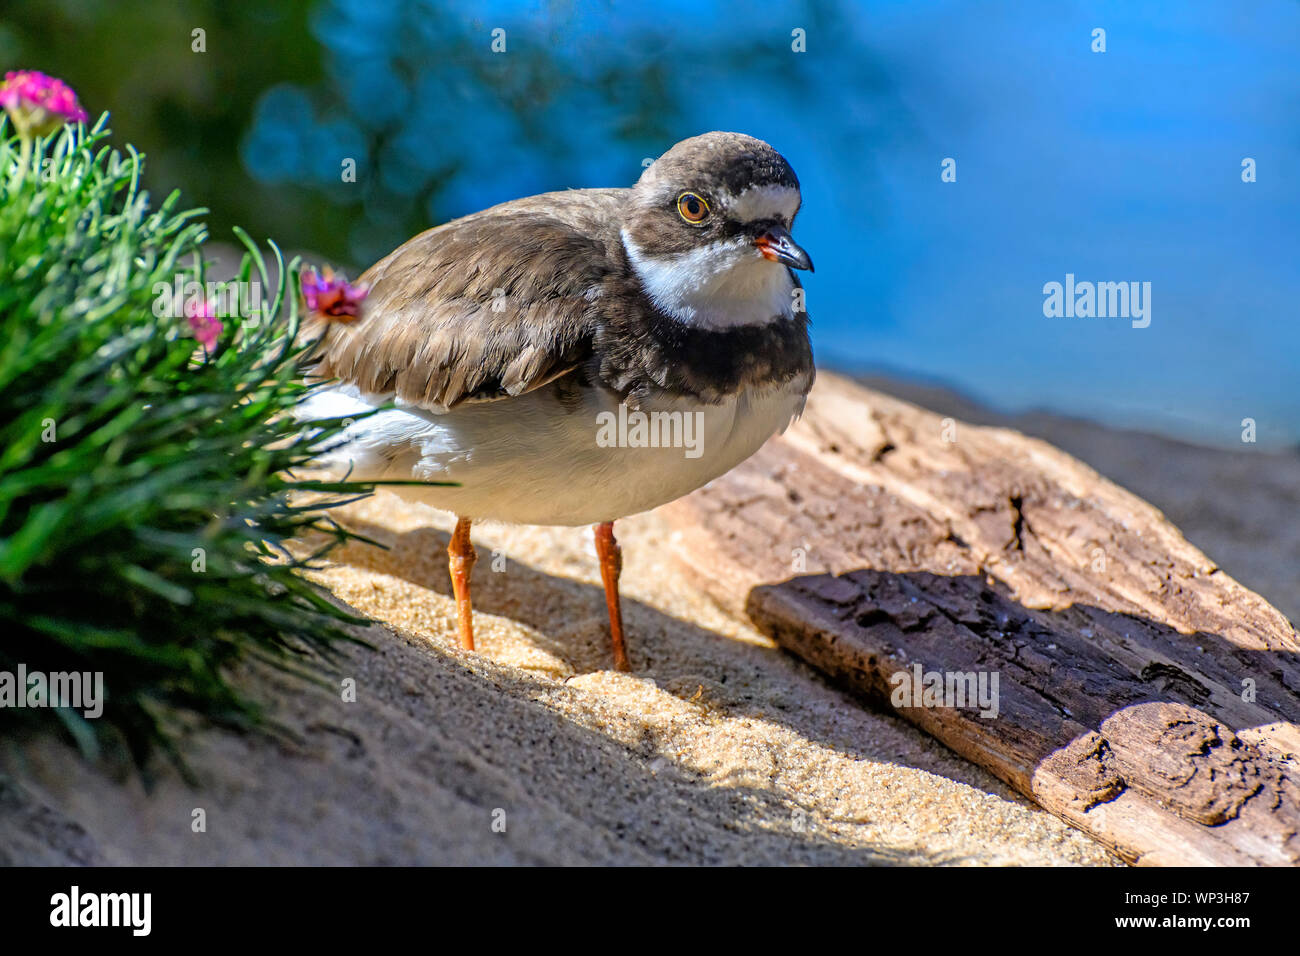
x,y
496,343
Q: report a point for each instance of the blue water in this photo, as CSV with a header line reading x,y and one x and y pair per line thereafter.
x,y
1117,166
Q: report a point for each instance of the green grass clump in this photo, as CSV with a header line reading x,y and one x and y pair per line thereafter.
x,y
145,482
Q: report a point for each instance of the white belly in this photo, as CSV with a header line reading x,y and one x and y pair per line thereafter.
x,y
533,460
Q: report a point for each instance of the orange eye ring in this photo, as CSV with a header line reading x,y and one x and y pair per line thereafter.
x,y
692,207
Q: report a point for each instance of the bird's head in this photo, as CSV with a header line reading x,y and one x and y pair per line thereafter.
x,y
707,231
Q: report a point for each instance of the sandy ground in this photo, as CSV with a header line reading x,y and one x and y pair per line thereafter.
x,y
719,749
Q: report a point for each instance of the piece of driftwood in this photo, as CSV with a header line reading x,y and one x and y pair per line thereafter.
x,y
1142,694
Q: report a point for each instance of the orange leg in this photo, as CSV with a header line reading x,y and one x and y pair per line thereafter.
x,y
611,564
462,558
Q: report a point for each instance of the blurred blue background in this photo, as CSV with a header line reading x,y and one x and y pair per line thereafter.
x,y
1115,166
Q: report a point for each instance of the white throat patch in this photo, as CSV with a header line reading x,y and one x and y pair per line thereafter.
x,y
717,286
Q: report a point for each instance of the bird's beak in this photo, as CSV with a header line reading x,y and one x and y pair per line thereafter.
x,y
777,245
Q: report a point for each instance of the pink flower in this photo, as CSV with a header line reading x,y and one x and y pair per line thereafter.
x,y
38,104
331,296
203,322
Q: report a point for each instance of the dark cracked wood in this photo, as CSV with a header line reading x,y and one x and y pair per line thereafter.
x,y
1142,694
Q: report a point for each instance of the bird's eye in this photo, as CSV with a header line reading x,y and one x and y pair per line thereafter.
x,y
692,207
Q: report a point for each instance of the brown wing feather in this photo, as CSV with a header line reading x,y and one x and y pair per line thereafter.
x,y
486,307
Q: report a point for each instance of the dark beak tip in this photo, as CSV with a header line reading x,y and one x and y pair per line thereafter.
x,y
787,250
801,260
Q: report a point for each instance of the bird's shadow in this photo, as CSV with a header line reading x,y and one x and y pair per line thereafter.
x,y
734,678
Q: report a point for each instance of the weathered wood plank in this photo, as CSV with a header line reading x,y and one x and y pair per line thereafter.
x,y
1143,695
